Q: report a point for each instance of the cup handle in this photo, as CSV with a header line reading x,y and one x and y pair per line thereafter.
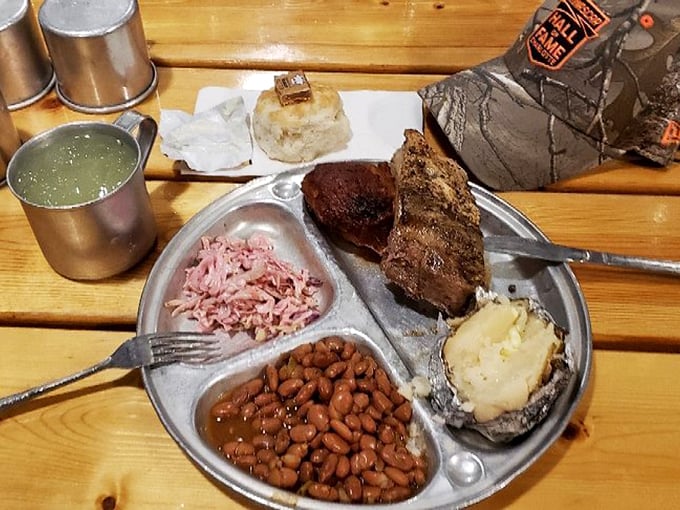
x,y
146,127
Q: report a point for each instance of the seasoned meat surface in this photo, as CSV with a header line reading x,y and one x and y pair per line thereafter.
x,y
353,199
435,250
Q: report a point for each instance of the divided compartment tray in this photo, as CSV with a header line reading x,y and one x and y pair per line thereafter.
x,y
357,303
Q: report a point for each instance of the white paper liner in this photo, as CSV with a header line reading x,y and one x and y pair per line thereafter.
x,y
377,119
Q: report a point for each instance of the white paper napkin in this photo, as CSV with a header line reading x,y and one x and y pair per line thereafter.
x,y
377,119
209,140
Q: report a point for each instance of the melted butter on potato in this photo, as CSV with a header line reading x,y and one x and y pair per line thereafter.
x,y
498,356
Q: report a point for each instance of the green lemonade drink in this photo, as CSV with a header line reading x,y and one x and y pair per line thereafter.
x,y
75,168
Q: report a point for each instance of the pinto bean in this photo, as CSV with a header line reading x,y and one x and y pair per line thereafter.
x,y
248,410
261,441
397,456
317,415
245,461
323,360
396,493
271,377
290,387
361,400
342,401
318,456
291,460
360,367
417,477
386,434
335,369
229,448
343,468
377,479
305,393
342,430
299,449
368,423
267,425
225,409
368,442
348,350
335,443
366,385
335,343
266,398
353,487
327,469
383,381
325,389
304,408
404,412
300,351
322,491
265,456
303,433
307,360
261,471
396,475
370,494
353,422
382,402
282,477
362,461
396,397
282,441
311,373
306,471
373,412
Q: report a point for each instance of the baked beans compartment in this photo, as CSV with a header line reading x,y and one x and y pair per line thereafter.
x,y
324,420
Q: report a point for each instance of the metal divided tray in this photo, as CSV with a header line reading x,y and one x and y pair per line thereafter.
x,y
356,302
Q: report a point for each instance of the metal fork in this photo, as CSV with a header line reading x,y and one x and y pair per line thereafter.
x,y
138,351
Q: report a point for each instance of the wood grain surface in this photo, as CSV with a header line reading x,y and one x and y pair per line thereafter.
x,y
99,444
628,309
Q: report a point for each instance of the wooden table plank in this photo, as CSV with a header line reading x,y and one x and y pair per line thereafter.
x,y
99,441
178,89
628,309
377,36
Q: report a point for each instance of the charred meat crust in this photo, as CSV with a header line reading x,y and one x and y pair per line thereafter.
x,y
353,199
435,251
417,212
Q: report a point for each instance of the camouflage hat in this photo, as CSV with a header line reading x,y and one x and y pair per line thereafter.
x,y
586,80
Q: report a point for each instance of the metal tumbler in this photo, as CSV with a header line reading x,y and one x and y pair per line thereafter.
x,y
26,73
99,53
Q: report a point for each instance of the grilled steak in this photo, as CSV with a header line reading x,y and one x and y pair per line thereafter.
x,y
435,250
353,199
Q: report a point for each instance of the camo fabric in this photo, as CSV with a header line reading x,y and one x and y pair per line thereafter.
x,y
585,81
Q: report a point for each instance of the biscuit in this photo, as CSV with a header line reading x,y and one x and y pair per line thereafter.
x,y
301,131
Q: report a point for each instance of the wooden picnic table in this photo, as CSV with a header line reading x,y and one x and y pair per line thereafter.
x,y
99,443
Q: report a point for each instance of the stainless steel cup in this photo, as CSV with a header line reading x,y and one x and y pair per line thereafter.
x,y
9,138
99,53
26,71
105,236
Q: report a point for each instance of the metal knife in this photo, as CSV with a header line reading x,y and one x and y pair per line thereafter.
x,y
544,250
